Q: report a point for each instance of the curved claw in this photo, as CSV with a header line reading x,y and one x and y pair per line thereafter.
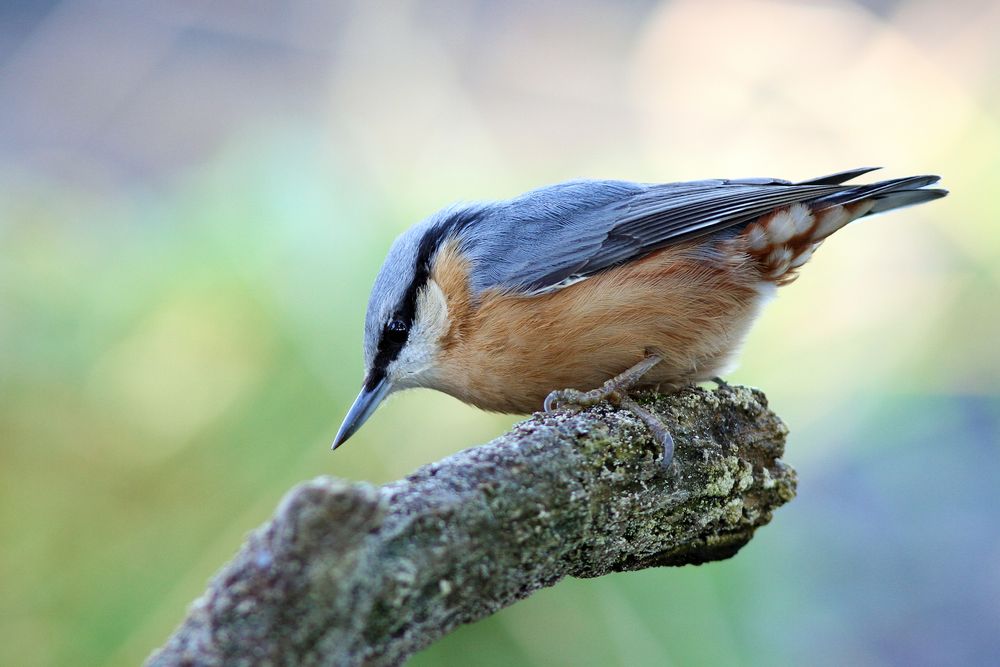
x,y
566,399
667,442
657,429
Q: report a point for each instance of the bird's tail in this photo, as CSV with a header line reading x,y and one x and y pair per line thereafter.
x,y
784,240
884,195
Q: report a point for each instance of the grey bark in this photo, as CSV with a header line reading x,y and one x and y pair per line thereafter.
x,y
349,573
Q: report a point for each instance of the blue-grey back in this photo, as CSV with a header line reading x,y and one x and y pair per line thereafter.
x,y
554,236
550,237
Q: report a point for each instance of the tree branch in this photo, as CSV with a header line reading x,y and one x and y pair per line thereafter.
x,y
348,574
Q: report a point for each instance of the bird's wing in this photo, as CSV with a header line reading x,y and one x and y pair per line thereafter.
x,y
552,237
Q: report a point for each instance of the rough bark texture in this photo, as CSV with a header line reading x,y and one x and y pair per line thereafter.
x,y
349,574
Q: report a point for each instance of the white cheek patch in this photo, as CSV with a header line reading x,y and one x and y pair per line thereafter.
x,y
418,357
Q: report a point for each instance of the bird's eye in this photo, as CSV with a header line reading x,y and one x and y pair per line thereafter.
x,y
396,330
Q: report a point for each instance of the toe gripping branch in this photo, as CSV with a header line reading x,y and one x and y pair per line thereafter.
x,y
615,391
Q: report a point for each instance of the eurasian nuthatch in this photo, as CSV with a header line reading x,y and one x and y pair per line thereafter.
x,y
607,284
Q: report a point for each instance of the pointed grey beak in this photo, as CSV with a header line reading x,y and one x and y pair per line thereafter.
x,y
364,406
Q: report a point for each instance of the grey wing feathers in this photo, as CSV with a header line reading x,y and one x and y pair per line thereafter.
x,y
551,242
664,215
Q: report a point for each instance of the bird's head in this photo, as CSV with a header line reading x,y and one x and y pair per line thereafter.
x,y
406,321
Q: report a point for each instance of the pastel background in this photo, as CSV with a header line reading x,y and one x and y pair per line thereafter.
x,y
196,196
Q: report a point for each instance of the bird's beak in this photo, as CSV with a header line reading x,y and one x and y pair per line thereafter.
x,y
364,406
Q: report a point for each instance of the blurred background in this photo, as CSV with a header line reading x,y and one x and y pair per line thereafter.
x,y
195,198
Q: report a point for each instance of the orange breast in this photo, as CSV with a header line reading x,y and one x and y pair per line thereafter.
x,y
506,352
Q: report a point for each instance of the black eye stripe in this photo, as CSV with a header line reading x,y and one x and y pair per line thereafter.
x,y
396,330
394,335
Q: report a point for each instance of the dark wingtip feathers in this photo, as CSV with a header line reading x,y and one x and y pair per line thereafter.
x,y
839,177
890,194
899,199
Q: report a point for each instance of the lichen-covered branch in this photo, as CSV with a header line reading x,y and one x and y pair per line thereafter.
x,y
349,574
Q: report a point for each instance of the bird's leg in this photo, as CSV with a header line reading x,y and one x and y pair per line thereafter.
x,y
720,383
612,390
655,426
615,391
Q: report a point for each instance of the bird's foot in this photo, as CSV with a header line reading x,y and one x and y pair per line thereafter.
x,y
615,391
612,391
720,383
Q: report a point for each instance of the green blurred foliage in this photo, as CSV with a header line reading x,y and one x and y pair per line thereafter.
x,y
177,351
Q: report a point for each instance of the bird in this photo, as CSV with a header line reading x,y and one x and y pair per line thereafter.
x,y
590,290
